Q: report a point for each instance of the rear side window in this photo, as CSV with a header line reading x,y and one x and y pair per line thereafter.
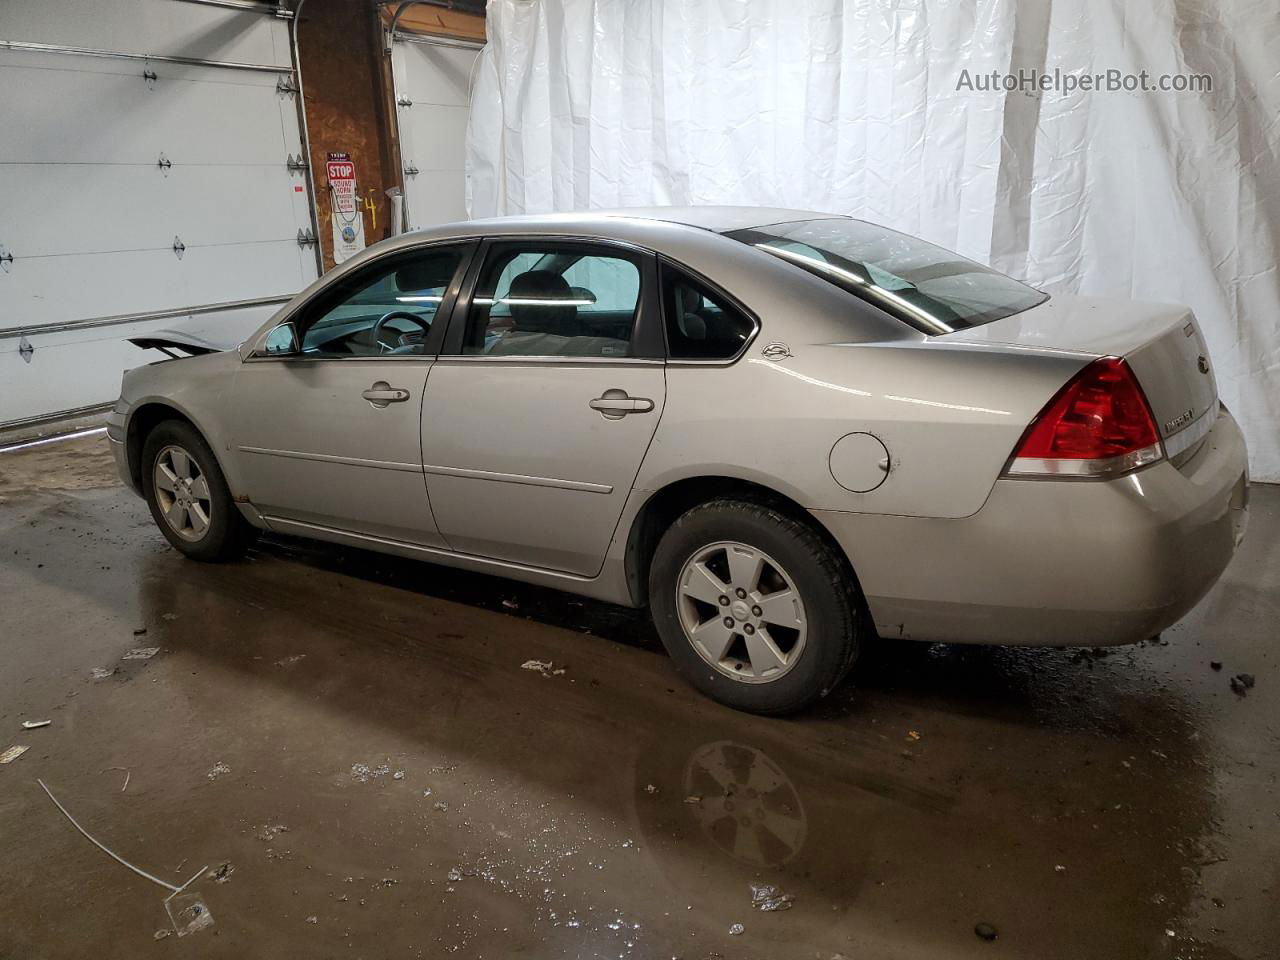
x,y
553,300
930,288
701,324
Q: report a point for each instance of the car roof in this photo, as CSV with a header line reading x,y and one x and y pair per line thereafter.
x,y
719,219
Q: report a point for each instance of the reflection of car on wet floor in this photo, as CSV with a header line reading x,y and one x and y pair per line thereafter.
x,y
778,430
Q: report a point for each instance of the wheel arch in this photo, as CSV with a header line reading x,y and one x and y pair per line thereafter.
x,y
144,418
665,505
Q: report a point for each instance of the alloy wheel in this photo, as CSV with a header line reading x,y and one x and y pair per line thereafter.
x,y
741,611
182,493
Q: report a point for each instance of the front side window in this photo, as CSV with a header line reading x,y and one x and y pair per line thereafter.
x,y
553,300
385,310
930,288
701,324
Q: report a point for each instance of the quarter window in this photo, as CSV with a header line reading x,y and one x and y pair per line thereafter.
x,y
385,310
549,300
701,324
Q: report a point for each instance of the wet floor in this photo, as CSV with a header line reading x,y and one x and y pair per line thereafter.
x,y
355,738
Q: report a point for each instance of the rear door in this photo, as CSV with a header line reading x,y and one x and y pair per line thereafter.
x,y
544,401
330,436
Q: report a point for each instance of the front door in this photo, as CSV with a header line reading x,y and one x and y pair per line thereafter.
x,y
330,435
543,402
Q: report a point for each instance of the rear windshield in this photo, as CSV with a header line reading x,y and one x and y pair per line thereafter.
x,y
934,290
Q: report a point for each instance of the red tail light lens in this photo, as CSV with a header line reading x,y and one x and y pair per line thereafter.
x,y
1098,425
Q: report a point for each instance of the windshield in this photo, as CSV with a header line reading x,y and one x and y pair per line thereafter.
x,y
931,288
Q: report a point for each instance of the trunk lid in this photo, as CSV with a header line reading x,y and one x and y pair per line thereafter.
x,y
1162,344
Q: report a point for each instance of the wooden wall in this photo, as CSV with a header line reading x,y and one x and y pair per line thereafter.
x,y
347,87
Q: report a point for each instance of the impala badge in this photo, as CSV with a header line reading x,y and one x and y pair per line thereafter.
x,y
1203,364
1176,422
776,351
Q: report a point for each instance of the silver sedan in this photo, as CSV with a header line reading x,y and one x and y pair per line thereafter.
x,y
783,432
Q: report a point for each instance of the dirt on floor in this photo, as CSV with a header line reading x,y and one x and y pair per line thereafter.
x,y
353,757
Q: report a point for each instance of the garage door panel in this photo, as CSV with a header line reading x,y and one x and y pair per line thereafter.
x,y
60,289
195,114
429,135
154,27
142,207
433,73
437,197
433,128
82,368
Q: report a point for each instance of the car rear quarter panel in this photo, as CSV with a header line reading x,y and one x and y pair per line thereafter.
x,y
949,415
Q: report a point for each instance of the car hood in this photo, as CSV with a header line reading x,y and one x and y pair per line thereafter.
x,y
174,342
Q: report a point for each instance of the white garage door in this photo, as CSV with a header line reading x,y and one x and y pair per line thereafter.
x,y
152,177
432,85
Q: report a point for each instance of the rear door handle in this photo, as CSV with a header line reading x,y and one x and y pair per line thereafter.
x,y
382,393
615,404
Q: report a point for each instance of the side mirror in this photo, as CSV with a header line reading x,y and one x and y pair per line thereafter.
x,y
281,341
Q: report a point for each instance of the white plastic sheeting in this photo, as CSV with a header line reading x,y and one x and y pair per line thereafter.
x,y
853,107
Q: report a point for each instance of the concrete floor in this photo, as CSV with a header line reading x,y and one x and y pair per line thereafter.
x,y
1118,806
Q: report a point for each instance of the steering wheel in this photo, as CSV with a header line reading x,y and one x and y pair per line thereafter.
x,y
376,330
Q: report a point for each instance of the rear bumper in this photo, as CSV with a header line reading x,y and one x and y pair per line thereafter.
x,y
1074,563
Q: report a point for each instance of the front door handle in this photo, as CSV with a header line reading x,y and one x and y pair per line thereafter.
x,y
616,404
382,393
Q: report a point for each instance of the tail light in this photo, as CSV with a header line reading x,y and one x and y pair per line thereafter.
x,y
1098,425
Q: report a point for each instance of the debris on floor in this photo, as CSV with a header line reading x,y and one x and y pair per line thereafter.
x,y
1242,683
441,806
1215,664
544,667
737,930
127,774
913,735
986,931
140,653
511,604
363,773
218,769
398,775
101,673
271,831
693,798
291,660
13,753
35,724
313,919
192,913
651,789
161,933
168,616
222,873
139,631
768,898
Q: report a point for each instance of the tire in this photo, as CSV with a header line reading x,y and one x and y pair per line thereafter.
x,y
806,649
224,533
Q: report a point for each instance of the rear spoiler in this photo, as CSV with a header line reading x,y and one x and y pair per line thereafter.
x,y
177,344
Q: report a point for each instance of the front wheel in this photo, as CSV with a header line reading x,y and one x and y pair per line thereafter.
x,y
188,495
755,609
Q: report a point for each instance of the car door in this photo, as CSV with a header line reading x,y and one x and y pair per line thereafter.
x,y
327,411
544,400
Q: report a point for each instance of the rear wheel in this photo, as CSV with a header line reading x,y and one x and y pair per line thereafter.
x,y
188,495
756,610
